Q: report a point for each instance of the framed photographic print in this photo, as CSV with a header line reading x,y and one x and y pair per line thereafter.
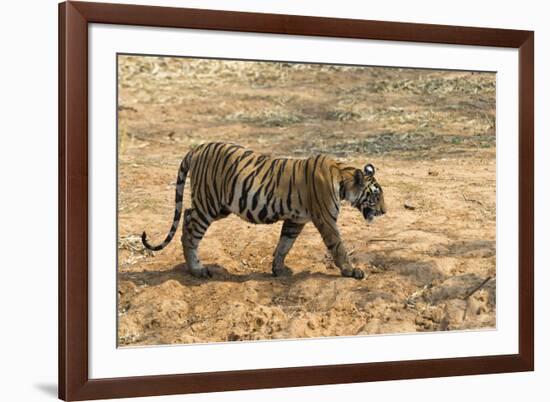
x,y
259,200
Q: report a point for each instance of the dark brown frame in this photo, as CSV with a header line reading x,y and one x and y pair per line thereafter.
x,y
74,383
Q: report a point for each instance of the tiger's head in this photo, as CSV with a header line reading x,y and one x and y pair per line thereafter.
x,y
364,193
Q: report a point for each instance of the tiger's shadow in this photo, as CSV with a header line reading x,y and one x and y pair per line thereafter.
x,y
181,274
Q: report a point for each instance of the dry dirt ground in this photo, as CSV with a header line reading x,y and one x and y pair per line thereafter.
x,y
430,261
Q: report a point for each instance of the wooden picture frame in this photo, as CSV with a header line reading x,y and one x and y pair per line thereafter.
x,y
74,381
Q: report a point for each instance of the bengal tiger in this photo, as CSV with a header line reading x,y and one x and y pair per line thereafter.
x,y
228,178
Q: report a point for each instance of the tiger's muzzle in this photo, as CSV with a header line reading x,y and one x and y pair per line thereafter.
x,y
369,213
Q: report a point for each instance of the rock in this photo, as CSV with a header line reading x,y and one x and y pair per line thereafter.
x,y
454,313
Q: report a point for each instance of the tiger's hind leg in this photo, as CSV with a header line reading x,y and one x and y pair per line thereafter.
x,y
289,233
195,226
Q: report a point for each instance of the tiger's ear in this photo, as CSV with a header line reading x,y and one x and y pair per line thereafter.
x,y
369,170
358,177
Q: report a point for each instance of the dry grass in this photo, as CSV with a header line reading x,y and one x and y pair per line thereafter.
x,y
328,103
132,249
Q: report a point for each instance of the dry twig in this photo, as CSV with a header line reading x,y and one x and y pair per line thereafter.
x,y
471,200
471,292
475,289
411,300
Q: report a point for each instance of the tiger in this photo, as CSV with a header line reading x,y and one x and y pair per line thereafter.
x,y
227,178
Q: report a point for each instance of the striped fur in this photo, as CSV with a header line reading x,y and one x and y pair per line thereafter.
x,y
227,178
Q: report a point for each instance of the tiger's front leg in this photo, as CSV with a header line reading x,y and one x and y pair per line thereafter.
x,y
289,233
331,238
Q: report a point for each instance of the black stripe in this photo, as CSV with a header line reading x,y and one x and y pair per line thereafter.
x,y
199,224
202,217
218,155
247,185
314,184
291,229
281,171
232,195
255,198
250,217
289,196
263,213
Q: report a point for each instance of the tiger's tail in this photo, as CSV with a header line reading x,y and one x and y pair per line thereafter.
x,y
182,175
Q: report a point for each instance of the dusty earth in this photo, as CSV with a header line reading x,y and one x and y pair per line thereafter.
x,y
430,261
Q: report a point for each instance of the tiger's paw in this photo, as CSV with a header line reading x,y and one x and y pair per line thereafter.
x,y
201,273
355,273
282,271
